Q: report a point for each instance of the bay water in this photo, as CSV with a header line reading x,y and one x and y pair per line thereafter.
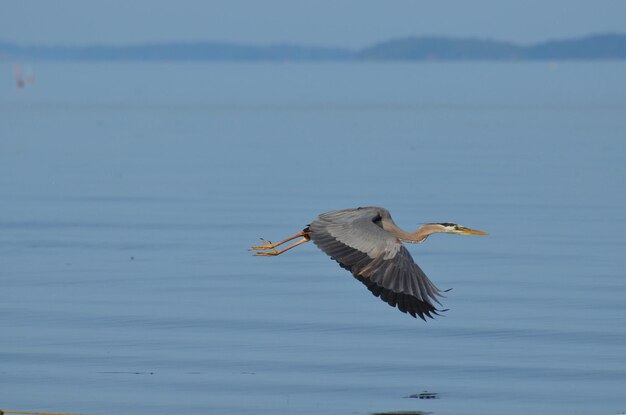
x,y
130,194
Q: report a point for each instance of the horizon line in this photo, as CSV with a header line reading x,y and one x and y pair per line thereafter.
x,y
306,44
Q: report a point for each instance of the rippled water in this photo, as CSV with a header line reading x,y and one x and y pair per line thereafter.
x,y
130,194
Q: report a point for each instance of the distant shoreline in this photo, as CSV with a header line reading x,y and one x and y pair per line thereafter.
x,y
431,48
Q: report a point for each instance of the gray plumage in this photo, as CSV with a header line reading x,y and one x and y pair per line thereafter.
x,y
360,240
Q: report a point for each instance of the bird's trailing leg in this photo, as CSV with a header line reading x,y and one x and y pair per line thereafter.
x,y
275,252
269,245
269,249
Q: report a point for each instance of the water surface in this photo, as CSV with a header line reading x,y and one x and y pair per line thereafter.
x,y
131,192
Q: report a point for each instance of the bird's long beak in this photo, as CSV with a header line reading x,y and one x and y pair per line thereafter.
x,y
468,231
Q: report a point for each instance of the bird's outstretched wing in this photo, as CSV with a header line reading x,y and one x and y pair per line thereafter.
x,y
356,239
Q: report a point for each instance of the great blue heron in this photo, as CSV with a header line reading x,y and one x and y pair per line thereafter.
x,y
368,243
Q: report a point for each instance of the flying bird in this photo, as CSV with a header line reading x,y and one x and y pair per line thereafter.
x,y
368,243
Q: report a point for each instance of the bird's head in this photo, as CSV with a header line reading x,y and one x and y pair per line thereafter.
x,y
456,229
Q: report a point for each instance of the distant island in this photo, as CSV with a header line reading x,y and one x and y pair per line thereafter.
x,y
433,48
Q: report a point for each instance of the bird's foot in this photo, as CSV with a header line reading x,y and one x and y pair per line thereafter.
x,y
266,245
267,253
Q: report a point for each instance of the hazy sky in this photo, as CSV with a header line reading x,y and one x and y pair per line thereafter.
x,y
353,23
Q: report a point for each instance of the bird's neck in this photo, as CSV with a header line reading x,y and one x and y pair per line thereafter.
x,y
425,231
418,236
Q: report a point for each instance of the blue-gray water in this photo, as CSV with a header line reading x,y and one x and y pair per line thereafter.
x,y
129,194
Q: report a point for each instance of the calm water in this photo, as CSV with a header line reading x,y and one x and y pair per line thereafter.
x,y
130,194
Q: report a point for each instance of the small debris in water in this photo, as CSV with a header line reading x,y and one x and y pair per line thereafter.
x,y
425,395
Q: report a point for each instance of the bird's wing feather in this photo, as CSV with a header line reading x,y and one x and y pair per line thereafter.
x,y
356,240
